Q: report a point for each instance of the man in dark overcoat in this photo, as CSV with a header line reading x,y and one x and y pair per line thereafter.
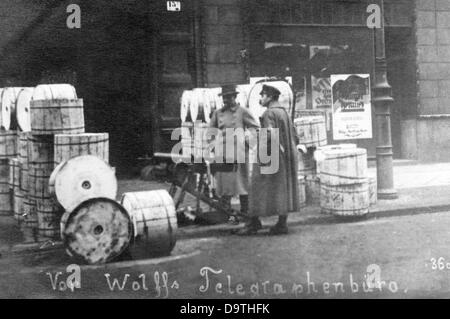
x,y
274,192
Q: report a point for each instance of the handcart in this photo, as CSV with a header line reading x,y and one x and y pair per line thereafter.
x,y
197,180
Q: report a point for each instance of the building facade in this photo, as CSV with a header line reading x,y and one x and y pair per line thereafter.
x,y
131,60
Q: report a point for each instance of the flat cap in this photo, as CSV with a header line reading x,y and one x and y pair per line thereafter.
x,y
270,90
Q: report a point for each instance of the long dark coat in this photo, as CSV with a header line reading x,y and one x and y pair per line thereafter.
x,y
237,182
276,193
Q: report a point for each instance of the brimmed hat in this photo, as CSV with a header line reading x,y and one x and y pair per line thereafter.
x,y
228,90
270,90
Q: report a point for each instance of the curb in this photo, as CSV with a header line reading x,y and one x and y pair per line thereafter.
x,y
215,230
201,231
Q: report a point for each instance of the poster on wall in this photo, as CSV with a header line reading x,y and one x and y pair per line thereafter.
x,y
300,97
352,110
321,96
321,86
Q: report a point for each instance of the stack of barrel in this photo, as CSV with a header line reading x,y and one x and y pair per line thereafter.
x,y
14,120
311,133
197,106
53,109
97,229
344,182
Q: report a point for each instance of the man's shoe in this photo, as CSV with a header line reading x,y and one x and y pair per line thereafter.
x,y
250,228
278,230
233,220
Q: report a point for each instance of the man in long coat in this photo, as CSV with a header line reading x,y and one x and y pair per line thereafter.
x,y
233,116
274,192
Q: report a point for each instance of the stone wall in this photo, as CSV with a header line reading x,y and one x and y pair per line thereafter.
x,y
433,71
223,40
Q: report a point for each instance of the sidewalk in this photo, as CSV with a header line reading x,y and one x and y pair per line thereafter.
x,y
422,188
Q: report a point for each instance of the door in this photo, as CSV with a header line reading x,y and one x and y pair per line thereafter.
x,y
178,65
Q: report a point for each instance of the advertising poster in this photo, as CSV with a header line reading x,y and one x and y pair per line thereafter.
x,y
352,111
321,96
321,87
300,97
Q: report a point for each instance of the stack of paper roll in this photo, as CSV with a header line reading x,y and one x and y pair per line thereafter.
x,y
13,118
94,228
81,178
154,221
96,231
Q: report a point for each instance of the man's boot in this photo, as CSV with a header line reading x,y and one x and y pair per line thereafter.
x,y
243,199
251,227
281,227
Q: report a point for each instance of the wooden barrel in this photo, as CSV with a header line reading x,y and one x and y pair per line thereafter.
x,y
47,210
30,219
373,192
18,205
8,144
302,190
345,200
5,192
97,231
311,130
14,173
320,152
67,146
344,166
22,146
306,164
312,190
187,138
38,182
81,178
40,150
49,215
23,109
286,98
8,108
154,222
49,117
23,171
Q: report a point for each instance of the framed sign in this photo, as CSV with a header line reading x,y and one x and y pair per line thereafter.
x,y
173,6
352,111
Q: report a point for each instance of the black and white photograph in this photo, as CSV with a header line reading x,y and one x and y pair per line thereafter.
x,y
227,150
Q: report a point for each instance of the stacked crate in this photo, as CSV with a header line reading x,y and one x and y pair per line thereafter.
x,y
311,133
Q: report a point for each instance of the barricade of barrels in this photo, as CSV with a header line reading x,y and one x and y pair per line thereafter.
x,y
57,183
332,176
